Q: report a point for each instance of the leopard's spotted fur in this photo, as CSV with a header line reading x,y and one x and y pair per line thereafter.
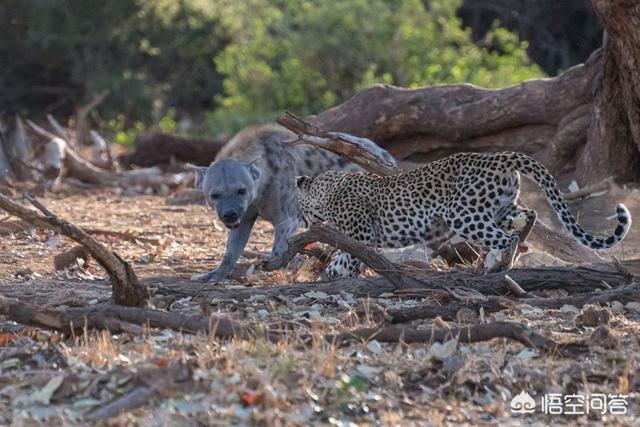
x,y
471,195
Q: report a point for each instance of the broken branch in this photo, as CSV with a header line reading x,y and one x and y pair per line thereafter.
x,y
341,144
322,233
126,288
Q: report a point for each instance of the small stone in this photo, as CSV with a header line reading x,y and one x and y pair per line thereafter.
x,y
569,309
616,307
374,347
633,306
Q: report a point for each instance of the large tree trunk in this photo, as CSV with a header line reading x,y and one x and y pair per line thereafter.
x,y
613,143
585,121
546,118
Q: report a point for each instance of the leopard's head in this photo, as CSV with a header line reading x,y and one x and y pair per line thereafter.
x,y
313,193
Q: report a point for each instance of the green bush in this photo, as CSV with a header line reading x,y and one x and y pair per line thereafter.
x,y
309,55
238,62
150,54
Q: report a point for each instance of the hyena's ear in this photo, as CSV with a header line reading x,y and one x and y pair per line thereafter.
x,y
253,169
303,182
200,171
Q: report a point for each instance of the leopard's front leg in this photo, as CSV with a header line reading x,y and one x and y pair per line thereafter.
x,y
343,265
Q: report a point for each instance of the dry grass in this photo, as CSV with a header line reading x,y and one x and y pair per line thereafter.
x,y
261,383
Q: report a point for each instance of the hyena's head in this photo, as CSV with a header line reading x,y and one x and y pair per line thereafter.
x,y
229,187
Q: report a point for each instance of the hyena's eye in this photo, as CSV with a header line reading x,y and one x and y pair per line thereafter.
x,y
242,192
214,196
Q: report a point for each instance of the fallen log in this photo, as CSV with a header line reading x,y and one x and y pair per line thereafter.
x,y
114,318
151,149
394,273
469,334
442,119
126,289
572,280
492,304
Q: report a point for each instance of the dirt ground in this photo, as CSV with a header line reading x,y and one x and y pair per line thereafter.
x,y
50,379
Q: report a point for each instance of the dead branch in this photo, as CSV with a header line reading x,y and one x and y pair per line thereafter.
x,y
130,237
153,382
515,288
325,234
40,130
75,165
132,400
561,245
494,303
102,156
126,288
341,144
148,177
82,114
61,131
469,334
112,317
16,149
598,187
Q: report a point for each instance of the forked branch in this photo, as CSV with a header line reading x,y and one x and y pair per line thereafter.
x,y
127,290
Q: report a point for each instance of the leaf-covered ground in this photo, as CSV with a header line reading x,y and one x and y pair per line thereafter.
x,y
183,379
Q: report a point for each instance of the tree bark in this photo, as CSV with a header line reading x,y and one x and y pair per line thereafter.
x,y
613,143
430,122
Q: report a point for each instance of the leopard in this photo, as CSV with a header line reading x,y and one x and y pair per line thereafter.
x,y
472,196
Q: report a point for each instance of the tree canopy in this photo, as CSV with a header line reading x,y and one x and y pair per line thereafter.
x,y
238,61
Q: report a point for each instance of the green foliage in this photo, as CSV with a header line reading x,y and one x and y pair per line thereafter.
x,y
308,55
240,62
150,54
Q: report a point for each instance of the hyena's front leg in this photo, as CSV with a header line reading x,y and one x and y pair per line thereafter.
x,y
236,241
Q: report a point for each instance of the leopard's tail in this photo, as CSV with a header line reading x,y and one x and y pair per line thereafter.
x,y
541,176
